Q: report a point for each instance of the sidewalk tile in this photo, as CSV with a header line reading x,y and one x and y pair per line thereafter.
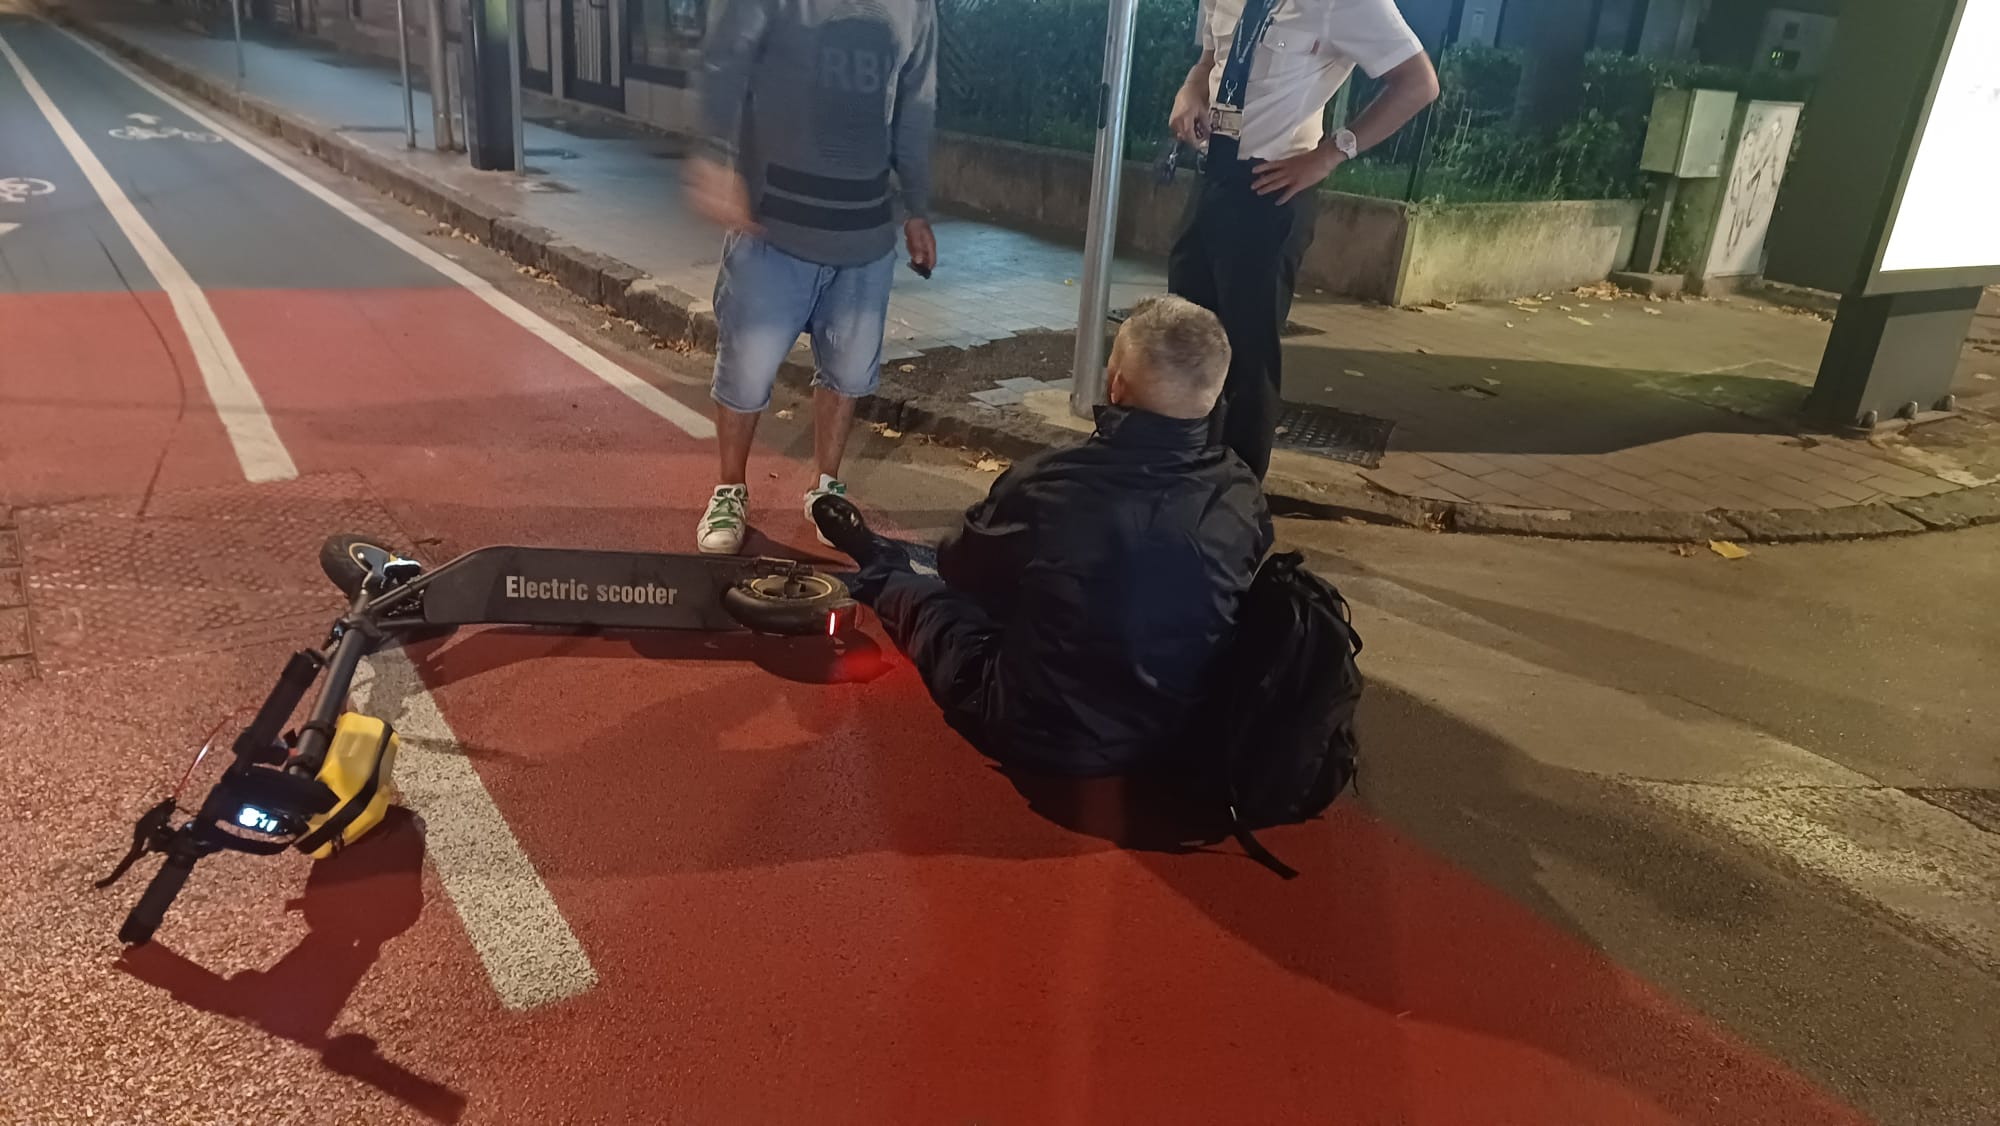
x,y
1910,490
1472,465
1454,482
1616,500
1843,469
1394,481
1851,491
1416,465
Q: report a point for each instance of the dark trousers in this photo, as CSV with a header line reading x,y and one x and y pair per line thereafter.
x,y
1238,256
950,638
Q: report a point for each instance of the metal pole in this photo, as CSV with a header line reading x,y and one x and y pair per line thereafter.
x,y
514,85
236,18
440,76
1100,242
409,95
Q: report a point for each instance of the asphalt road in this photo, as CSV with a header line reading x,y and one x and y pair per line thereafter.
x,y
1642,838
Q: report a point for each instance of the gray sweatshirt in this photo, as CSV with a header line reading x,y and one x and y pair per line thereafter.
x,y
817,102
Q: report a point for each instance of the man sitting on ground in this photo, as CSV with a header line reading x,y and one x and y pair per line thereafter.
x,y
1077,615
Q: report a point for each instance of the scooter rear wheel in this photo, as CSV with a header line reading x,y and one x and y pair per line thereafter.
x,y
789,605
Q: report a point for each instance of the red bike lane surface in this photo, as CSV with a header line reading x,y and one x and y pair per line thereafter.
x,y
801,900
100,396
811,899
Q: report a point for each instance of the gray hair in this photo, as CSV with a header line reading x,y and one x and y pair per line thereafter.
x,y
1178,355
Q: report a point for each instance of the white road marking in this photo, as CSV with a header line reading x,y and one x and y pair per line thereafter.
x,y
18,189
143,118
687,419
8,228
162,133
531,955
258,449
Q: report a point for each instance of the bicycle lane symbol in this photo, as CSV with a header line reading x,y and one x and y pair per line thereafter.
x,y
164,133
20,189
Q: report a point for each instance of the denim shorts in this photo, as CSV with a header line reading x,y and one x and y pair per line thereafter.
x,y
764,298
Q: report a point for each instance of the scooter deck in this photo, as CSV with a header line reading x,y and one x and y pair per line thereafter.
x,y
582,588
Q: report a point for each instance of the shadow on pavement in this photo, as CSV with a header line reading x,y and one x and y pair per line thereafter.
x,y
853,658
354,904
1490,404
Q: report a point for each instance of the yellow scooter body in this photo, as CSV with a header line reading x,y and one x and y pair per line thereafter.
x,y
362,747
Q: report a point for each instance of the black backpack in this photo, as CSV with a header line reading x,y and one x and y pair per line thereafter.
x,y
1279,741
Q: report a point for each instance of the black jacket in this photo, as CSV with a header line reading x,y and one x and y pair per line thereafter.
x,y
1113,569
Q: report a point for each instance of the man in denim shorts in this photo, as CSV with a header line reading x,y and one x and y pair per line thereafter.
x,y
817,122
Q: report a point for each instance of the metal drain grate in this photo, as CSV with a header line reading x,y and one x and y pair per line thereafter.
x,y
1357,439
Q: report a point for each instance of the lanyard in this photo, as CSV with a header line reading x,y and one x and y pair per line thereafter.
x,y
1250,30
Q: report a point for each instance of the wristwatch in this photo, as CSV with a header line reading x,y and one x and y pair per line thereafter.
x,y
1348,144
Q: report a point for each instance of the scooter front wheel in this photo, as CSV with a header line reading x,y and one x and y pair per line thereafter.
x,y
349,560
790,605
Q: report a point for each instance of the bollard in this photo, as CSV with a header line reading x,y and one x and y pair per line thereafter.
x,y
440,77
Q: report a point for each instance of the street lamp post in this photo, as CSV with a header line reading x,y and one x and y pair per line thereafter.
x,y
1100,240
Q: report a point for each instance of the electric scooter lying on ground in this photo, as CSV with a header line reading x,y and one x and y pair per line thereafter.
x,y
323,786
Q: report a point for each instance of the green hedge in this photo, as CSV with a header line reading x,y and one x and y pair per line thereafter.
x,y
1028,70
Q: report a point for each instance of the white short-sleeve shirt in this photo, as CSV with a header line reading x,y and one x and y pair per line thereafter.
x,y
1311,48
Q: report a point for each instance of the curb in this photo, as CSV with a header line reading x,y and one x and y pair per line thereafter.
x,y
684,321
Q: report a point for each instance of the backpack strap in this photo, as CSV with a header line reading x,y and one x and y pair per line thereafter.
x,y
1255,850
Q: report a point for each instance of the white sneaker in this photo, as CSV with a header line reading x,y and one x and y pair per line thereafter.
x,y
722,525
828,486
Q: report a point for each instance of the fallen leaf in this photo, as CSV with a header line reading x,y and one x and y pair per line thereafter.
x,y
1727,550
1492,382
1982,375
786,413
989,465
1510,324
1685,550
1357,374
1582,322
1566,308
907,368
1069,281
1423,351
1654,313
890,432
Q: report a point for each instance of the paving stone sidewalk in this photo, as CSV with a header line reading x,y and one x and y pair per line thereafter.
x,y
1590,415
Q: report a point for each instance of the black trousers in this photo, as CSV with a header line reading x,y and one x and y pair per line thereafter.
x,y
1238,256
950,638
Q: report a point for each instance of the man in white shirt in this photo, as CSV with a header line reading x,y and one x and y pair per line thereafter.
x,y
1257,102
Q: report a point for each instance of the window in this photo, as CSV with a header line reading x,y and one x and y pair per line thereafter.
x,y
663,31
